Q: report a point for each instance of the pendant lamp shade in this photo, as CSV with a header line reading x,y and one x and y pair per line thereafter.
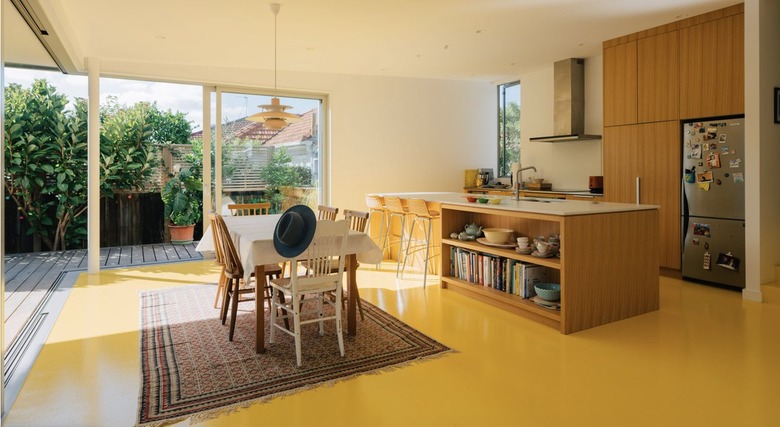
x,y
273,115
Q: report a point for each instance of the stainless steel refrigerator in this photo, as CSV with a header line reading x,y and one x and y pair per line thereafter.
x,y
713,201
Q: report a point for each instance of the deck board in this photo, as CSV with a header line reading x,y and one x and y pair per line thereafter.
x,y
29,277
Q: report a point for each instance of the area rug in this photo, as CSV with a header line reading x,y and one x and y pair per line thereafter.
x,y
190,369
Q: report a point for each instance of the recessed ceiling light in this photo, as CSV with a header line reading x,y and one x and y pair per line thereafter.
x,y
310,49
480,31
583,44
160,37
446,46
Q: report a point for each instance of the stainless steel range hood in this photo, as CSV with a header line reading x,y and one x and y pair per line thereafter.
x,y
569,103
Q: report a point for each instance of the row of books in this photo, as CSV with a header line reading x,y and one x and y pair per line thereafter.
x,y
504,274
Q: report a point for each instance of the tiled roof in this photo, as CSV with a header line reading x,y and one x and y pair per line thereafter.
x,y
245,129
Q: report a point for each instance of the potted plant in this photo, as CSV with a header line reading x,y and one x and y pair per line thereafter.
x,y
182,198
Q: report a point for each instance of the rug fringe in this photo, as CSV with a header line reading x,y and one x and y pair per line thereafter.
x,y
211,414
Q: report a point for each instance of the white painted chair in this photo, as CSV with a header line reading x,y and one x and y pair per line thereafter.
x,y
330,241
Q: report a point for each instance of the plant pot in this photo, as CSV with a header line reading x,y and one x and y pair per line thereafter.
x,y
182,234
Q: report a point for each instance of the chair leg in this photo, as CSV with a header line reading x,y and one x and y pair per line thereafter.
x,y
234,310
400,245
297,326
427,249
320,298
274,309
220,287
339,332
226,299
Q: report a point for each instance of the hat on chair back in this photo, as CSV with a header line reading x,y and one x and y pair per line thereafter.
x,y
294,231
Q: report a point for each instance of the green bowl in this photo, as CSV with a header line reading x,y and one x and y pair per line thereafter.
x,y
483,200
548,291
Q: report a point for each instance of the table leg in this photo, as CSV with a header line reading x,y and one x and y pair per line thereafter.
x,y
260,285
352,301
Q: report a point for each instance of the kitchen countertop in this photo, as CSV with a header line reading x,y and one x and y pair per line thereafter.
x,y
510,191
529,204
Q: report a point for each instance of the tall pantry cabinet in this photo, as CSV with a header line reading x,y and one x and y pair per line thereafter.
x,y
653,79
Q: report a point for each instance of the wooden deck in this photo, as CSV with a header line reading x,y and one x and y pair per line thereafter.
x,y
31,278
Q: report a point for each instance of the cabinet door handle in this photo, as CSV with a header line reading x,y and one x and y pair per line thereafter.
x,y
637,190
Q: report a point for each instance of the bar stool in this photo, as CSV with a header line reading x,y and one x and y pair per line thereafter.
x,y
423,217
376,206
395,209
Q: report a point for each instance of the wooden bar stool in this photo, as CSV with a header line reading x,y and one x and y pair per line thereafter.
x,y
423,217
395,209
377,206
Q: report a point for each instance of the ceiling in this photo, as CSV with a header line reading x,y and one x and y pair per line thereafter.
x,y
488,40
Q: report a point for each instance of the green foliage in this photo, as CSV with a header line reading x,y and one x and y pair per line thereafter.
x,y
510,139
279,173
182,195
46,156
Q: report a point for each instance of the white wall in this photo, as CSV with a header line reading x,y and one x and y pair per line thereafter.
x,y
567,165
386,134
762,143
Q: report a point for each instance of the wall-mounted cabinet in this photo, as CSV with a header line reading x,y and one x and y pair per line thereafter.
x,y
620,84
658,77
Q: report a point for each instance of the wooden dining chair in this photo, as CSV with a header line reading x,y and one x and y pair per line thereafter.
x,y
219,259
247,209
330,242
358,221
327,212
235,290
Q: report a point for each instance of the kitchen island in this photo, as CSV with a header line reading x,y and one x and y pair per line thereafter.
x,y
608,266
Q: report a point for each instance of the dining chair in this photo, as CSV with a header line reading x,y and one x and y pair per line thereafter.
x,y
235,290
247,209
423,218
219,258
327,212
330,241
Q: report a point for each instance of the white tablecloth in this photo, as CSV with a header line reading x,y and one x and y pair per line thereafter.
x,y
253,237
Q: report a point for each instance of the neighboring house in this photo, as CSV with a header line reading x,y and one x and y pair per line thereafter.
x,y
241,171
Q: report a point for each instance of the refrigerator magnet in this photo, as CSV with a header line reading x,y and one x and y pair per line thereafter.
x,y
735,163
704,186
706,264
722,138
738,178
712,133
713,160
696,151
695,242
728,261
724,150
700,229
704,176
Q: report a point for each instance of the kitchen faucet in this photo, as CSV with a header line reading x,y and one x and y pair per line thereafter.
x,y
518,180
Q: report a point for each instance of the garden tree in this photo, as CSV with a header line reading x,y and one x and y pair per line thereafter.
x,y
512,136
280,173
46,157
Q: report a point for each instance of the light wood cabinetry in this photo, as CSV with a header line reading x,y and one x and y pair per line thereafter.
x,y
593,198
608,269
648,153
712,68
658,77
620,84
692,68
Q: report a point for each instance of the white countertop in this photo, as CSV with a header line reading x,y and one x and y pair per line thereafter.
x,y
528,204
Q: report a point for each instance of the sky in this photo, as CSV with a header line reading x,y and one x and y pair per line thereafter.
x,y
169,96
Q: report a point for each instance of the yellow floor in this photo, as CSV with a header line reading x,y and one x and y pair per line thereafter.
x,y
707,358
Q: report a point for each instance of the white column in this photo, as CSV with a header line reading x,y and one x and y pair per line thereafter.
x,y
2,215
206,154
93,167
218,154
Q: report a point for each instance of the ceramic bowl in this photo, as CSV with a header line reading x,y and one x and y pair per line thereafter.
x,y
548,291
471,199
498,235
494,201
483,200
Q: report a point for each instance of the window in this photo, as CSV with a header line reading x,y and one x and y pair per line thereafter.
x,y
508,127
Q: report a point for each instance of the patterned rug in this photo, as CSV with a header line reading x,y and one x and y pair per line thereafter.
x,y
190,369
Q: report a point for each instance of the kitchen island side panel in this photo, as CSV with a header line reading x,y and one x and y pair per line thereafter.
x,y
611,267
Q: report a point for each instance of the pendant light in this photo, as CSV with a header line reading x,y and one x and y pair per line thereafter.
x,y
274,116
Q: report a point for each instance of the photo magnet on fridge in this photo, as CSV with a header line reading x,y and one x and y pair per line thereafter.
x,y
724,149
704,177
728,261
738,178
735,163
722,138
713,160
700,229
696,151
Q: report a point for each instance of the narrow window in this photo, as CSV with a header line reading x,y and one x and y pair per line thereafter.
x,y
508,127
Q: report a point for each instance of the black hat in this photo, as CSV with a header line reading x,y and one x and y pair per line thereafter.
x,y
294,231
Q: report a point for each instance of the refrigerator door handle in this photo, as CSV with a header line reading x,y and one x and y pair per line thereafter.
x,y
685,217
637,190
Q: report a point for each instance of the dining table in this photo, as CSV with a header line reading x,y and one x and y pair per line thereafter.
x,y
253,239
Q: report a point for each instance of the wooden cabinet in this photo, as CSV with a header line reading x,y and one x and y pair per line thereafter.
x,y
649,153
712,68
658,77
608,268
620,84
